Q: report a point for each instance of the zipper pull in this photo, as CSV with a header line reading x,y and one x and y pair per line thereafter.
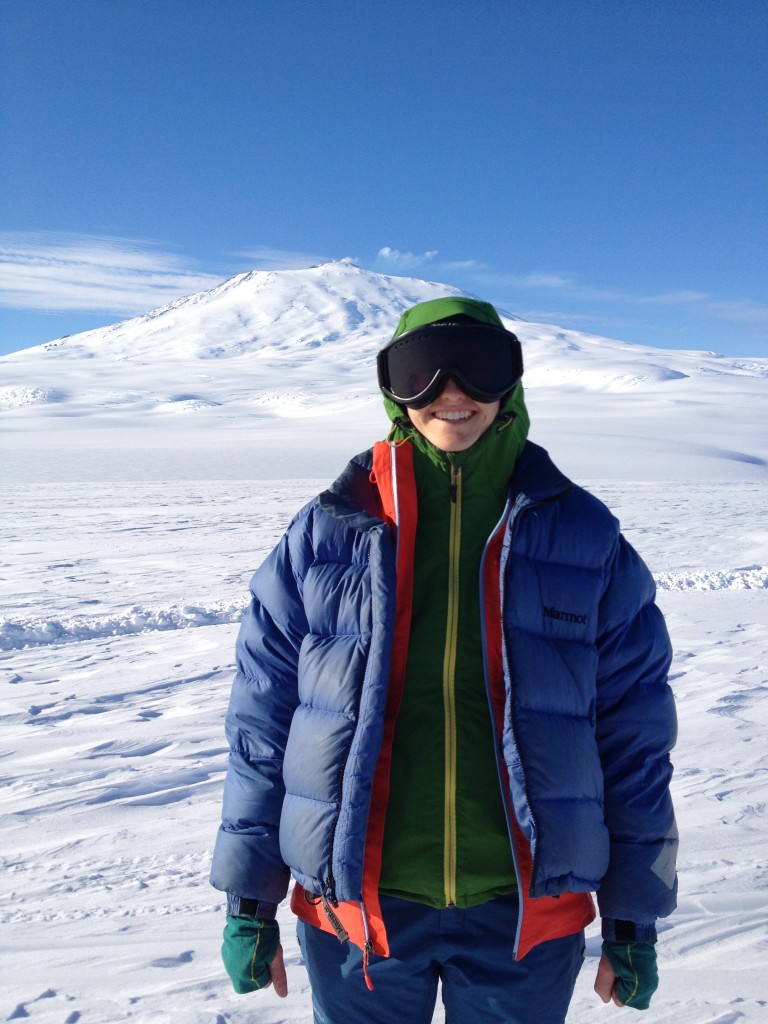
x,y
341,932
455,473
367,951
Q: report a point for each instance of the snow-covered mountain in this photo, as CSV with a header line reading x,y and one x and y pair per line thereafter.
x,y
268,350
283,311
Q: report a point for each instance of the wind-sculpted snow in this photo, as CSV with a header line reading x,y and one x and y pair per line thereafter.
x,y
35,632
753,578
20,395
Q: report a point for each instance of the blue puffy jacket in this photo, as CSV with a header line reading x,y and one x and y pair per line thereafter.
x,y
588,718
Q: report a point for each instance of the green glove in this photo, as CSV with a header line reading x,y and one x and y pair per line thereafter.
x,y
249,947
637,977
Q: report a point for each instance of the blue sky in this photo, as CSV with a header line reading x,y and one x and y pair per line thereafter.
x,y
597,164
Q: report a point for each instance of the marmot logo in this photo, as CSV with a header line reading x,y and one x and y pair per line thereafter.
x,y
555,613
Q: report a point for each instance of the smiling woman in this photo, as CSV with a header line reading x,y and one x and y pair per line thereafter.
x,y
450,370
391,747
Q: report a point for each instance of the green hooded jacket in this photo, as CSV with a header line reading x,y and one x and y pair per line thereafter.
x,y
446,841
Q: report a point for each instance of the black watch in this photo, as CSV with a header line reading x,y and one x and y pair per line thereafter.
x,y
242,906
615,930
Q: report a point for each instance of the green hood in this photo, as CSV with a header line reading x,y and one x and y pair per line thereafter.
x,y
504,440
440,309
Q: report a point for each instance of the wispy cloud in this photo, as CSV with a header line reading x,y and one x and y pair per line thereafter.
x,y
483,273
679,298
742,311
261,257
538,279
50,272
562,296
582,301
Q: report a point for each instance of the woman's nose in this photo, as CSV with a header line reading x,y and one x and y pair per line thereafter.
x,y
451,390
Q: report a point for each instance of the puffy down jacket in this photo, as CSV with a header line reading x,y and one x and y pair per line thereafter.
x,y
584,714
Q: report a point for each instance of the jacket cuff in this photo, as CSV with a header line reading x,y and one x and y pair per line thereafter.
x,y
614,930
241,906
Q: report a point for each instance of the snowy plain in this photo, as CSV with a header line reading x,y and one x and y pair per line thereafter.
x,y
149,467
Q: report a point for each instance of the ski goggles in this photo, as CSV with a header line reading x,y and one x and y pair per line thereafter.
x,y
485,361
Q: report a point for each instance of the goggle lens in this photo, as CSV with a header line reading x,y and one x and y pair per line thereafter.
x,y
485,361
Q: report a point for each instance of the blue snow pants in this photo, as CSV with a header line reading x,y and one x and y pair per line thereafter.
x,y
468,951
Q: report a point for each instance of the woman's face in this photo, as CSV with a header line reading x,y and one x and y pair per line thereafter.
x,y
453,422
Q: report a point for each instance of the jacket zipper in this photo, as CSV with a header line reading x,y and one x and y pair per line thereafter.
x,y
520,506
329,893
503,782
518,510
508,521
449,692
367,948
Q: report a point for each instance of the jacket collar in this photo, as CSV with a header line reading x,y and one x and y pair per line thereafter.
x,y
352,497
537,478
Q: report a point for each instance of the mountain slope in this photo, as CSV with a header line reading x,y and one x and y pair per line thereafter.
x,y
276,311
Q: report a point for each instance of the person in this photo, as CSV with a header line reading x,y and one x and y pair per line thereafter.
x,y
450,721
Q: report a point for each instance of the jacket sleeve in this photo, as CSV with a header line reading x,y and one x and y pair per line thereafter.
x,y
246,858
636,728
